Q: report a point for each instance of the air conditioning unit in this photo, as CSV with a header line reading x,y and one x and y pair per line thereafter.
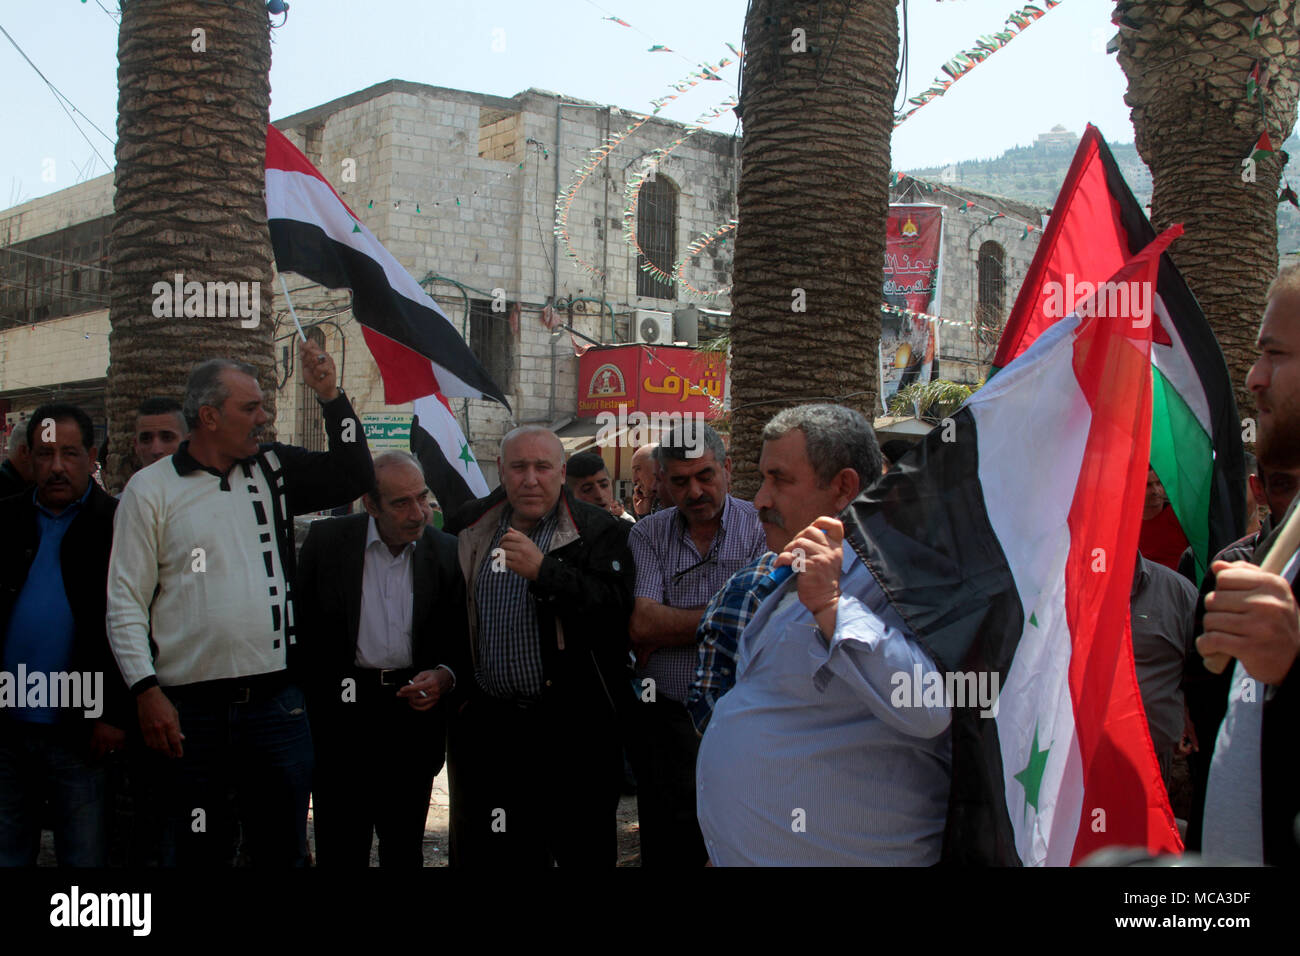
x,y
653,328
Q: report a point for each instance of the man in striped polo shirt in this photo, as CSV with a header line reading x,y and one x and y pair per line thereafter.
x,y
684,555
203,556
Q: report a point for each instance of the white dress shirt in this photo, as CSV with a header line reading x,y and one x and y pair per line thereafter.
x,y
387,597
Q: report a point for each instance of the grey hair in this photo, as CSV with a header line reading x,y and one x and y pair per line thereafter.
x,y
531,430
392,456
689,439
17,439
205,387
836,437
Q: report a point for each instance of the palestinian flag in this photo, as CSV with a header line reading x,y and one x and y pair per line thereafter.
x,y
1263,146
1196,451
1006,540
420,354
314,233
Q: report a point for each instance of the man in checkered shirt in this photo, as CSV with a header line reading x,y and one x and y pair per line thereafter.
x,y
534,756
684,555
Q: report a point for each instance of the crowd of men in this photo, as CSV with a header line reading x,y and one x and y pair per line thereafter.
x,y
541,639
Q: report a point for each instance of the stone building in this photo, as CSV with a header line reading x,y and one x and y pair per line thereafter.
x,y
462,188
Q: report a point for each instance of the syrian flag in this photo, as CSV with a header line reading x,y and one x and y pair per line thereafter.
x,y
449,466
1095,227
420,355
1007,541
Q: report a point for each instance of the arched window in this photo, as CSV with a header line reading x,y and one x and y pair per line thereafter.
x,y
656,231
992,285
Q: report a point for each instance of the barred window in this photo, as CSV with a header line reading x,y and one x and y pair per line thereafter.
x,y
491,340
656,230
57,274
992,284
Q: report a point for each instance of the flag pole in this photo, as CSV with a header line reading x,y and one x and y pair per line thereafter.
x,y
1279,553
288,300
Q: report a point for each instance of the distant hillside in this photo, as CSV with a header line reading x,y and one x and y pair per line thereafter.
x,y
1034,174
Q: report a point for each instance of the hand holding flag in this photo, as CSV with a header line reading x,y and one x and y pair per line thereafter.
x,y
318,371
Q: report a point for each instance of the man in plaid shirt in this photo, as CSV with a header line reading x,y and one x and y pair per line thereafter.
x,y
794,493
684,555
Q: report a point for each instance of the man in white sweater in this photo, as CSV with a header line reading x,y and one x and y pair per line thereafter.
x,y
202,563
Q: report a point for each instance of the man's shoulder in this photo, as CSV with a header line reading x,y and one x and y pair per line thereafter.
x,y
472,512
437,542
744,513
15,506
1170,580
590,520
756,574
654,526
741,506
340,526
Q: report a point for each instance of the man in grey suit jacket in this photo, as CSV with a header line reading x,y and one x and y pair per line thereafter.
x,y
382,622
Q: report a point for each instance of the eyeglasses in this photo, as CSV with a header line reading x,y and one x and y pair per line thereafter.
x,y
710,558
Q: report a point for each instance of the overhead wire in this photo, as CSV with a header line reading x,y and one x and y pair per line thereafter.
x,y
60,98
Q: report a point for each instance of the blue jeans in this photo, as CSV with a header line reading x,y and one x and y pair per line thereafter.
x,y
261,750
40,762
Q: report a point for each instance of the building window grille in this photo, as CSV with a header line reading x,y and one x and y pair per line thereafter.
x,y
656,230
491,340
992,285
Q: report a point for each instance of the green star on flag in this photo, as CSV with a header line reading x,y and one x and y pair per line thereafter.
x,y
465,455
1031,778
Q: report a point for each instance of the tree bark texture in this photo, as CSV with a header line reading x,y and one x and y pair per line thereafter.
x,y
190,198
1187,63
817,106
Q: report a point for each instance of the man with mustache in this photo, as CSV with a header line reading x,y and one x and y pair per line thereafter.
x,y
831,769
203,561
53,562
684,554
382,615
1253,796
794,493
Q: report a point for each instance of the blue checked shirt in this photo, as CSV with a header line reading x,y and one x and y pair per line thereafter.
x,y
719,635
671,571
509,647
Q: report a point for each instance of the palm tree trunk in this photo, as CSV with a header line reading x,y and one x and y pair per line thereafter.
x,y
817,104
1187,63
191,140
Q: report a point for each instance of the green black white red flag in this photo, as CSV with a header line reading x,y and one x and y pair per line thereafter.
x,y
1006,540
1095,226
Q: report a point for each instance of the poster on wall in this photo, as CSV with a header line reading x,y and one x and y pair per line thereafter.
x,y
913,275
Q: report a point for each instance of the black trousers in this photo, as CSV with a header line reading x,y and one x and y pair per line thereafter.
x,y
375,763
533,787
663,748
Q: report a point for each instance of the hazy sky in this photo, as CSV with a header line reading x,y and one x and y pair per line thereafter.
x,y
1057,72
